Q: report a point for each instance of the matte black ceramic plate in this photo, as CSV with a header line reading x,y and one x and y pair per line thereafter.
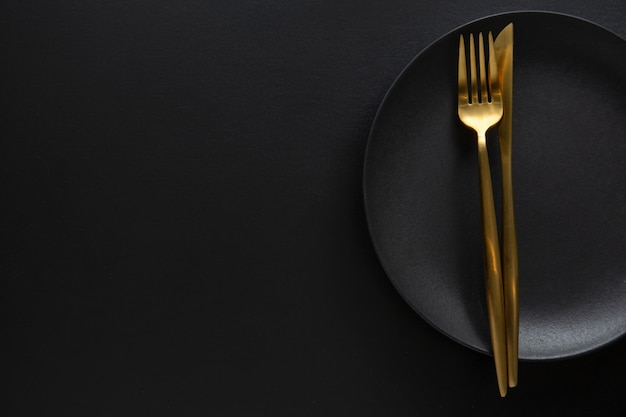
x,y
569,157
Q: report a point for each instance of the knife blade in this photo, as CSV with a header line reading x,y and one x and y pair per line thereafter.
x,y
504,56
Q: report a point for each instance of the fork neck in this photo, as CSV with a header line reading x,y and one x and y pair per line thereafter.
x,y
482,139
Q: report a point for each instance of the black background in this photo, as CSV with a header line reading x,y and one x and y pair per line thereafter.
x,y
183,230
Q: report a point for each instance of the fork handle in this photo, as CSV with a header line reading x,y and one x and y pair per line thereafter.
x,y
493,271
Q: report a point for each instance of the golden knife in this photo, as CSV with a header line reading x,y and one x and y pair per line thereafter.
x,y
504,55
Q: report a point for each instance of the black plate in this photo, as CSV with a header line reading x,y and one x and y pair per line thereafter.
x,y
569,157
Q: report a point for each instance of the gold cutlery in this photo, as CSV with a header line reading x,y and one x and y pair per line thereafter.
x,y
480,111
504,55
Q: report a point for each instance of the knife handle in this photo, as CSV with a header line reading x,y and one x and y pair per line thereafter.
x,y
493,274
510,275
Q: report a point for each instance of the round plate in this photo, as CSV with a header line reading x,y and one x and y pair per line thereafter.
x,y
569,174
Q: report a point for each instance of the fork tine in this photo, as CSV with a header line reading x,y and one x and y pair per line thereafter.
x,y
483,71
494,81
462,88
473,70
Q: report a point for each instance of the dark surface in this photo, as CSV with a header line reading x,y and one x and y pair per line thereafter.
x,y
183,229
422,198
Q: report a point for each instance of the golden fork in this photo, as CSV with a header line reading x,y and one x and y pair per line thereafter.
x,y
480,111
